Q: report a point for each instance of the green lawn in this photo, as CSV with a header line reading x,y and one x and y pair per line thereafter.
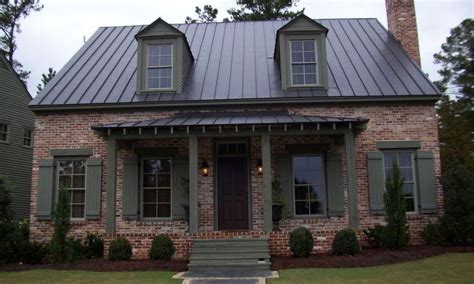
x,y
447,268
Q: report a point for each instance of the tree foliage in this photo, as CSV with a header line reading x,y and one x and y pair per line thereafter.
x,y
255,10
456,117
395,234
11,11
45,78
59,245
205,15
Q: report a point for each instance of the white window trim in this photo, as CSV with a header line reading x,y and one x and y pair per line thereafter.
x,y
316,61
142,189
415,177
85,183
7,141
324,214
158,67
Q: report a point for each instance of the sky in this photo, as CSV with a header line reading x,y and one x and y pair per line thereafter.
x,y
49,38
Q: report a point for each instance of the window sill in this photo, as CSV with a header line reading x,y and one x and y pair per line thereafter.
x,y
156,91
305,87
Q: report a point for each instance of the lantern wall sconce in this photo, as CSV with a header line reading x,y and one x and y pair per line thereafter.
x,y
259,167
204,168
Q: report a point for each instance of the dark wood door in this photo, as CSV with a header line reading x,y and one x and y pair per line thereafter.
x,y
232,182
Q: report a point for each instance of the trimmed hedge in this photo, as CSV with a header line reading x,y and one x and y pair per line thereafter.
x,y
345,243
120,249
301,242
162,248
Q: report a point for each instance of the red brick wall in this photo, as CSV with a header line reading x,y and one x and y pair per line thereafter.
x,y
401,19
390,121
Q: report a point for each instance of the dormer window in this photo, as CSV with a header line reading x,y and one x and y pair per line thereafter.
x,y
160,66
303,63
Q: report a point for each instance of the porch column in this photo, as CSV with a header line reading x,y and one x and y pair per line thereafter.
x,y
111,183
267,183
351,180
193,184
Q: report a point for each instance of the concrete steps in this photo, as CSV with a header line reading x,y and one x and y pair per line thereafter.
x,y
229,255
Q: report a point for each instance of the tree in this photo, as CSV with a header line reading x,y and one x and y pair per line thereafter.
x,y
11,12
206,15
255,10
456,117
395,234
59,245
45,78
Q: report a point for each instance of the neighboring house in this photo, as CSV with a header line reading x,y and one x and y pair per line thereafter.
x,y
16,137
323,106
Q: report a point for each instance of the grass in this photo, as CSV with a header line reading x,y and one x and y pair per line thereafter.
x,y
447,268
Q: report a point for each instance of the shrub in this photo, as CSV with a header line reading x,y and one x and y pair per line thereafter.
x,y
301,242
75,250
34,252
94,245
457,224
374,236
60,252
345,243
120,249
395,234
430,234
161,248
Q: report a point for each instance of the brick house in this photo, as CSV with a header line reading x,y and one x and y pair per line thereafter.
x,y
183,129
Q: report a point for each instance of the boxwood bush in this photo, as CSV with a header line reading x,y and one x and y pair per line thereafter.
x,y
161,248
301,242
95,246
120,249
431,235
345,243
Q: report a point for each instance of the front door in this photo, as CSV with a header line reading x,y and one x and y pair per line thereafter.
x,y
232,185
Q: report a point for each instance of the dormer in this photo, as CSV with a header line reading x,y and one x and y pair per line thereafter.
x,y
301,53
163,58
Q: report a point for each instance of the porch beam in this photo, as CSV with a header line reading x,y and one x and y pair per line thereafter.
x,y
111,183
351,180
267,183
193,184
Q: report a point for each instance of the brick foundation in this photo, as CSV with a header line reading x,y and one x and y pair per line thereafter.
x,y
388,122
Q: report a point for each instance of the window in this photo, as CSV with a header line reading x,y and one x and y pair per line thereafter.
x,y
72,176
3,132
303,62
159,66
156,193
309,185
27,137
405,161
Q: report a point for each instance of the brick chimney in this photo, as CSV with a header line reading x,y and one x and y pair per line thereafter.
x,y
401,20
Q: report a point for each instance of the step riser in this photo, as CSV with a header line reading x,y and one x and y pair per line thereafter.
x,y
227,262
226,268
226,244
228,250
228,256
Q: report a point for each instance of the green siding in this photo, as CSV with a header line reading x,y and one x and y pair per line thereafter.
x,y
93,188
351,180
426,181
180,172
283,172
376,181
45,189
335,185
130,189
16,160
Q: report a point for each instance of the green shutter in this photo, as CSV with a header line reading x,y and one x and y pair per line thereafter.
x,y
93,186
335,185
376,181
283,172
45,190
180,172
130,189
426,181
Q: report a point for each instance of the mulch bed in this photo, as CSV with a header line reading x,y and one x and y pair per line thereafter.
x,y
368,257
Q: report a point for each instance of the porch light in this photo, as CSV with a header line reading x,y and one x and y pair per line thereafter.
x,y
204,168
259,167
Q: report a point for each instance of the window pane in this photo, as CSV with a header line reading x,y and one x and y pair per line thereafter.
x,y
164,180
301,208
165,72
316,207
298,68
153,61
408,190
77,211
79,167
165,60
165,83
65,181
296,46
389,159
310,68
316,192
78,196
410,204
165,49
3,136
153,50
149,180
164,195
78,181
151,166
149,210
407,174
310,79
309,45
297,57
164,210
298,79
153,83
65,167
405,159
301,193
309,56
149,195
153,72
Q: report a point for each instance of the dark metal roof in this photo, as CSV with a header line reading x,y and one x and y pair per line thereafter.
x,y
234,62
220,119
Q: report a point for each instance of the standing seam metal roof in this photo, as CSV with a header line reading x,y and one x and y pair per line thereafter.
x,y
234,61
